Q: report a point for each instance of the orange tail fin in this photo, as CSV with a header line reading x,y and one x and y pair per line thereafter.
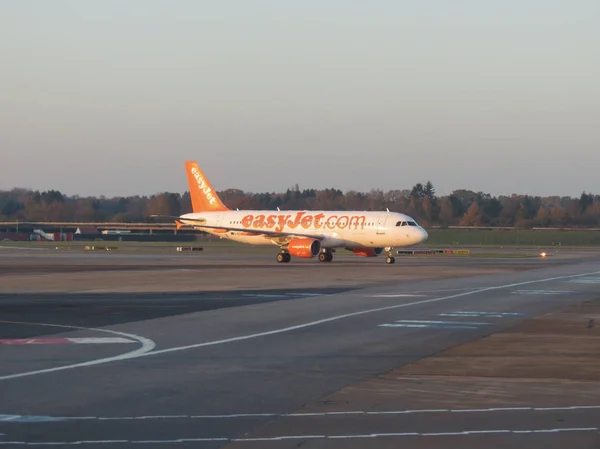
x,y
204,197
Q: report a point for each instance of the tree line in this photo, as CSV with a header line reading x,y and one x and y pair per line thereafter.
x,y
461,208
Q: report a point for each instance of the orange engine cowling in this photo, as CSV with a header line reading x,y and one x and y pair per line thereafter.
x,y
305,248
367,252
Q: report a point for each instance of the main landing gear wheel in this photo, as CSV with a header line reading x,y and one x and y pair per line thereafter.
x,y
390,260
325,256
283,257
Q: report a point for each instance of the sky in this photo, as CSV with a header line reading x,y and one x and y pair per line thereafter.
x,y
111,97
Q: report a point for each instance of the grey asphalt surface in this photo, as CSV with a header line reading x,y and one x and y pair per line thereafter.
x,y
50,261
208,369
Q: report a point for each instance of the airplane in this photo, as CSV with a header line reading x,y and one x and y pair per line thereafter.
x,y
299,233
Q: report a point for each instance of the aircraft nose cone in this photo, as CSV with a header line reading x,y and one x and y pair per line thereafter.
x,y
424,235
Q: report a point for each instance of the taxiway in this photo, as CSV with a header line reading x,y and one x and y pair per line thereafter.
x,y
436,360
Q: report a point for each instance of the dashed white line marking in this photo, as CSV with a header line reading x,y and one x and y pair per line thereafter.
x,y
398,295
304,437
308,294
477,323
590,280
311,414
494,312
259,295
541,292
282,295
430,326
490,314
497,409
407,412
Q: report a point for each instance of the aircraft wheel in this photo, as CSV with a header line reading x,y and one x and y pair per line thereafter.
x,y
325,256
283,257
287,257
390,260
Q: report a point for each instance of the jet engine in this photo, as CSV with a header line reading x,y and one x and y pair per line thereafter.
x,y
304,247
367,252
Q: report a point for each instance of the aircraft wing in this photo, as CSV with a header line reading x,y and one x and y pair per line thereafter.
x,y
199,222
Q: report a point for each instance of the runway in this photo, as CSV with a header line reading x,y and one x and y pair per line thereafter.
x,y
428,363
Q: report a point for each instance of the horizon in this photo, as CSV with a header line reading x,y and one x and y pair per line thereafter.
x,y
437,194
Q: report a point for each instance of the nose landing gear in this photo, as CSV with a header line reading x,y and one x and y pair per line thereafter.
x,y
390,258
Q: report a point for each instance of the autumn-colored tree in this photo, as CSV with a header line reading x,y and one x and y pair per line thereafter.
x,y
558,216
428,209
510,206
573,209
85,212
355,201
592,214
163,204
473,217
446,215
585,201
376,200
542,217
464,197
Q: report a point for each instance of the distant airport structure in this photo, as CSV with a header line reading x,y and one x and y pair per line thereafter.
x,y
68,231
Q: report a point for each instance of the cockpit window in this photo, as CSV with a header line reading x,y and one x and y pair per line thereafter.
x,y
401,223
411,223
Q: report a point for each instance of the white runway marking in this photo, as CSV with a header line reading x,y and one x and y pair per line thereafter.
x,y
482,314
435,324
281,295
590,280
304,437
542,292
260,295
443,290
22,418
430,326
308,294
148,345
397,295
100,340
475,323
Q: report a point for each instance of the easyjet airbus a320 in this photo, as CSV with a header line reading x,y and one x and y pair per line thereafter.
x,y
299,233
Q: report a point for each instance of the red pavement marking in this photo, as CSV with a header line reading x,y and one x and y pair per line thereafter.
x,y
35,341
65,341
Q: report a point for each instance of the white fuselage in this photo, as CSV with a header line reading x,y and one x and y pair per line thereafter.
x,y
335,229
